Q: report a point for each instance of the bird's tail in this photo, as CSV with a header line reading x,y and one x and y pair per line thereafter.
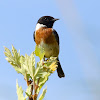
x,y
60,70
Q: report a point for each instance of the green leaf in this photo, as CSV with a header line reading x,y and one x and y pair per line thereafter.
x,y
22,59
42,81
43,94
28,92
12,59
39,70
32,65
39,51
19,92
43,71
16,56
29,65
50,65
8,55
7,52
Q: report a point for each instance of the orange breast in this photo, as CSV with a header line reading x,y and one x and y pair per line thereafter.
x,y
45,35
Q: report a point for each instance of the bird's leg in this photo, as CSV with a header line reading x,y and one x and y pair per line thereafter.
x,y
44,58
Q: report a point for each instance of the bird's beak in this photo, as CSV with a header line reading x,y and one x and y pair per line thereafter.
x,y
55,19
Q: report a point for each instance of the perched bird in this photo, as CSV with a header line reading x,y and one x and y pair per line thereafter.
x,y
46,37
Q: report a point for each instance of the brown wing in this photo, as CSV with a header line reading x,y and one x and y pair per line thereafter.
x,y
56,36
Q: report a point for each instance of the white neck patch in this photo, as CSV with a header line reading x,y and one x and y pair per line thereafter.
x,y
39,26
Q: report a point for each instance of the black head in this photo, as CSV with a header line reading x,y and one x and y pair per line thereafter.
x,y
47,20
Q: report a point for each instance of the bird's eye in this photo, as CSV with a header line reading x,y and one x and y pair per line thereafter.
x,y
45,18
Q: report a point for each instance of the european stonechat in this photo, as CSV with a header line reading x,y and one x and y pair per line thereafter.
x,y
46,37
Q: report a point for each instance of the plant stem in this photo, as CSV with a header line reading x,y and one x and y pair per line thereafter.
x,y
31,89
34,88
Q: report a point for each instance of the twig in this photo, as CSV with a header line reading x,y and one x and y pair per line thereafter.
x,y
34,88
31,89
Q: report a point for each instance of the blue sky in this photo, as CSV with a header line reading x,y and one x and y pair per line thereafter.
x,y
79,32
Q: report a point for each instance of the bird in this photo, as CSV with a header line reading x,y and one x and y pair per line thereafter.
x,y
47,37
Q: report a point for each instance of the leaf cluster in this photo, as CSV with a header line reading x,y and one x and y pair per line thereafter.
x,y
35,76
